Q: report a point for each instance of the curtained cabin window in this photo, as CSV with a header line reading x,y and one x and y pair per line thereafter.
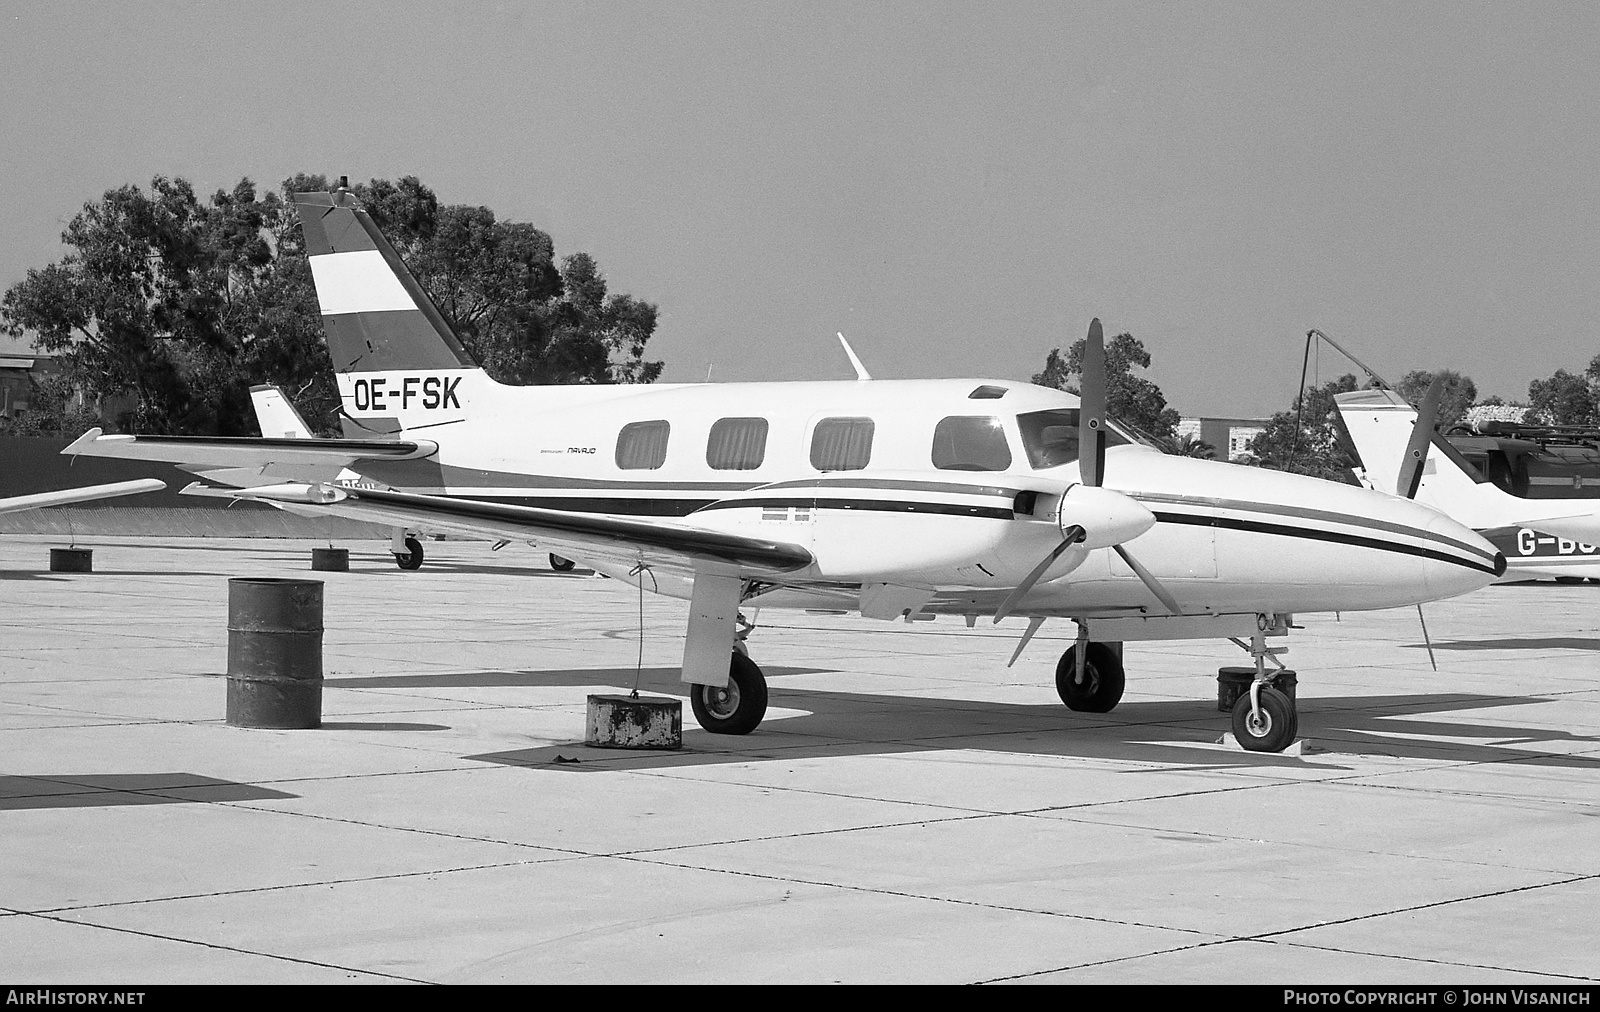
x,y
841,444
737,444
642,446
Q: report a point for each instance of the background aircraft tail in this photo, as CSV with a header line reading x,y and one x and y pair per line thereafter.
x,y
397,361
1380,423
276,417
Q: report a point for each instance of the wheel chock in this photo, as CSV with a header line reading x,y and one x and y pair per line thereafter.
x,y
1298,747
626,721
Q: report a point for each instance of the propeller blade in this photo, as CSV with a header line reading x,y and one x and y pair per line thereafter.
x,y
1167,600
1410,479
1070,537
1092,408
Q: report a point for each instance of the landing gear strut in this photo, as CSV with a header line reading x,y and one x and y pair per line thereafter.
x,y
1265,719
1100,688
736,709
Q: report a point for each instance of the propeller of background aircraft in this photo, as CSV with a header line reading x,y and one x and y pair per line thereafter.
x,y
1409,481
1125,518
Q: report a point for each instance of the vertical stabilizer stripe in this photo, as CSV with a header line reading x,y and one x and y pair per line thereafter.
x,y
359,282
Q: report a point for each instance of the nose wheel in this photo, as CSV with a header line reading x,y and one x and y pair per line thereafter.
x,y
736,708
1272,727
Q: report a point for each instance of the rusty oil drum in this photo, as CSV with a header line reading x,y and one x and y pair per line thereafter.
x,y
274,652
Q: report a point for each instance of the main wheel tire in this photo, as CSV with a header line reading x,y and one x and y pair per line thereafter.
x,y
1274,731
737,709
412,559
561,565
1103,679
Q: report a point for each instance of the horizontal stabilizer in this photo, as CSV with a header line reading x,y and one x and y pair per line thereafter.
x,y
245,451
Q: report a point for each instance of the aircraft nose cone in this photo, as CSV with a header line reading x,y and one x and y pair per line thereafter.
x,y
1445,572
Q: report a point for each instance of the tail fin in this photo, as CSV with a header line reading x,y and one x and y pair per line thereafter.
x,y
275,416
375,315
398,363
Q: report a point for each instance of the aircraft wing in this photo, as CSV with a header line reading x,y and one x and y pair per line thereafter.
x,y
247,451
1583,528
619,539
85,493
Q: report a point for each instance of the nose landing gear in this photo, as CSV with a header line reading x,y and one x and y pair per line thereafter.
x,y
1265,719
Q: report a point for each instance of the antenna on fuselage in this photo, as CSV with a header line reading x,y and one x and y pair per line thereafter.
x,y
861,370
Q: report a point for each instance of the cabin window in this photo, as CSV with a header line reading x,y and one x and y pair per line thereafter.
x,y
970,443
1051,437
642,446
841,444
737,444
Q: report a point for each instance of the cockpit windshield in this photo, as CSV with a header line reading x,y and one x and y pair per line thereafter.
x,y
1051,437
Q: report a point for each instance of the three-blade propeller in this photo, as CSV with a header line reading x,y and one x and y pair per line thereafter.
x,y
1089,514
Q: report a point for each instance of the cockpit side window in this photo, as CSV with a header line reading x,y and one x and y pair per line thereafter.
x,y
1051,437
642,446
737,444
970,443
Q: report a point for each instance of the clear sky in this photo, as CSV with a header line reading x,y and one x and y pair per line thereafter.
x,y
959,187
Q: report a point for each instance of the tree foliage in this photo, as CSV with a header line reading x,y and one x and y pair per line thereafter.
x,y
1312,445
167,308
1566,398
1457,394
1129,398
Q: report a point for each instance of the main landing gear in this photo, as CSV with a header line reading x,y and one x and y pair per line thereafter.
x,y
561,565
1099,689
736,709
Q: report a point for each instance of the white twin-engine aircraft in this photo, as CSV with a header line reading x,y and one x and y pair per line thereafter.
x,y
1384,429
909,498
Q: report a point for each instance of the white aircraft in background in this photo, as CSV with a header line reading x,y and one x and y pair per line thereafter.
x,y
1387,437
85,493
894,498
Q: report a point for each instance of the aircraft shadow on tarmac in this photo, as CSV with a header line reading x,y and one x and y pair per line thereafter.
x,y
1524,643
115,789
43,574
1170,733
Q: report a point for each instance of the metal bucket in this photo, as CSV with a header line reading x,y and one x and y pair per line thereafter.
x,y
71,560
331,560
274,652
1235,682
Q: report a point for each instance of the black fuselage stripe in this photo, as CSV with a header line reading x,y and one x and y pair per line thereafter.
x,y
872,505
683,507
631,506
1312,534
